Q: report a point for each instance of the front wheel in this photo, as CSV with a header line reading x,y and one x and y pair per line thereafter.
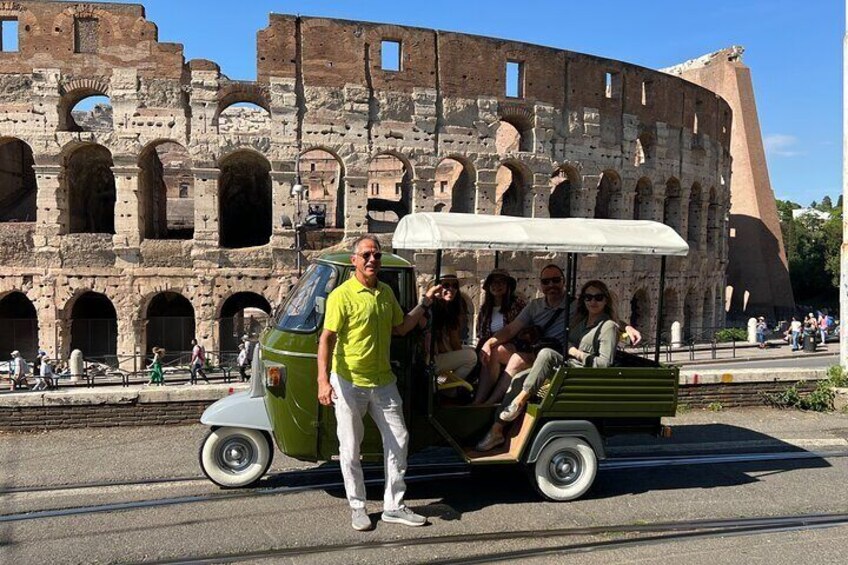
x,y
235,457
565,469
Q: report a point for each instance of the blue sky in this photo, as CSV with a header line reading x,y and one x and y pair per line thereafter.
x,y
793,47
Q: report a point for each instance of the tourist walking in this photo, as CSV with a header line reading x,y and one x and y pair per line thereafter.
x,y
242,363
157,375
355,375
18,377
823,324
45,372
795,327
198,361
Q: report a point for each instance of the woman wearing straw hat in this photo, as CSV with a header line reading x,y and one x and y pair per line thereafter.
x,y
499,307
450,327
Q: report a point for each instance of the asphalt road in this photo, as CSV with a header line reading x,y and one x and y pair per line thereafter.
x,y
489,515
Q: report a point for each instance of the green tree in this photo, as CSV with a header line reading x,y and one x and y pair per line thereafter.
x,y
826,204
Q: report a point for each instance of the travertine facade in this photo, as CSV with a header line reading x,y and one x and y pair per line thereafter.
x,y
95,246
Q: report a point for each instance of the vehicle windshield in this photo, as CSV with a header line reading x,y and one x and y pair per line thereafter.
x,y
299,313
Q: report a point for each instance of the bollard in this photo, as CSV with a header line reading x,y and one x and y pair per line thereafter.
x,y
752,330
676,335
75,364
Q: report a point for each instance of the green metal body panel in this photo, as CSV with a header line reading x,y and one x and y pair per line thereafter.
x,y
614,392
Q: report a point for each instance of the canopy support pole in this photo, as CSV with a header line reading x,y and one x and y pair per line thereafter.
x,y
497,259
660,307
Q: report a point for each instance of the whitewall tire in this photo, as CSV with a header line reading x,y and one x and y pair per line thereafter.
x,y
565,469
235,457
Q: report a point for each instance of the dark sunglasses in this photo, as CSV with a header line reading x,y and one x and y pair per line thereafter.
x,y
596,297
451,285
377,255
552,280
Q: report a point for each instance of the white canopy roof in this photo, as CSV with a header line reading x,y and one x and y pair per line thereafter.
x,y
433,230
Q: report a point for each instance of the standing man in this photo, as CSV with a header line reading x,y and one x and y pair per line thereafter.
x,y
198,361
19,371
361,316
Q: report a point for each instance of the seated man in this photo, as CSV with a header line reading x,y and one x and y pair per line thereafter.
x,y
548,315
593,337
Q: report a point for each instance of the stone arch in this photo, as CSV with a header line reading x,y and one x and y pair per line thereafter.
x,y
89,184
166,191
93,325
640,309
456,185
244,199
693,230
713,222
169,322
96,118
18,186
565,183
243,92
18,324
643,201
515,130
512,188
323,174
238,315
390,187
609,198
671,204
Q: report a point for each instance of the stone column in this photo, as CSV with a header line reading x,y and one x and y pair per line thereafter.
x,y
51,215
541,191
356,201
283,239
423,188
128,216
486,201
48,331
206,217
130,355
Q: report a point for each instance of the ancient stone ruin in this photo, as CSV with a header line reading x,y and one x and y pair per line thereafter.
x,y
160,215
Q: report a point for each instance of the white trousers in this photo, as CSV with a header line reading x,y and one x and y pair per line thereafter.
x,y
386,409
461,362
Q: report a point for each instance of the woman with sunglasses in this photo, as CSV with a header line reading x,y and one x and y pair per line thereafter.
x,y
592,340
500,307
449,324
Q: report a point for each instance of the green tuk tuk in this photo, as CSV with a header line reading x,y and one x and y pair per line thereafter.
x,y
561,436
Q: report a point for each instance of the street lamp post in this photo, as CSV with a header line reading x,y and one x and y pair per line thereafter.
x,y
297,194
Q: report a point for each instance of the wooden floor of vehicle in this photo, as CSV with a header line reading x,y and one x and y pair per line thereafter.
x,y
516,437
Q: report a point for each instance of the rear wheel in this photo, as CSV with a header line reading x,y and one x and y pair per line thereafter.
x,y
565,469
235,457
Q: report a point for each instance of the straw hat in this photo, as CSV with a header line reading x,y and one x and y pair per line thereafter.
x,y
448,272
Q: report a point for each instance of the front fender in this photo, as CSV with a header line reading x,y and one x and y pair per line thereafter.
x,y
238,410
567,428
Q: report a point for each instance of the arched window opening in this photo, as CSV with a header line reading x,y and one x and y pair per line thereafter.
x,y
18,186
644,149
693,232
669,313
640,309
509,191
91,113
389,193
713,223
169,323
244,117
94,327
608,200
18,325
454,188
91,190
564,184
671,205
245,200
643,204
321,174
166,187
244,313
512,135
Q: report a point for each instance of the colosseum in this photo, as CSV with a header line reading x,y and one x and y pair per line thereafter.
x,y
163,214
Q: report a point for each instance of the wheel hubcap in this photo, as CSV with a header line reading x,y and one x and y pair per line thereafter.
x,y
565,468
236,455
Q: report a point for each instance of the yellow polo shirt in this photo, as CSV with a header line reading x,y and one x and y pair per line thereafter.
x,y
362,319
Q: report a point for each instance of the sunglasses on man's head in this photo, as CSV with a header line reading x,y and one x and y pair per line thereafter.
x,y
551,280
377,255
587,297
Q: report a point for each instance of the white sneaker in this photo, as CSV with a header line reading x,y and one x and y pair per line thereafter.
x,y
511,412
405,516
489,442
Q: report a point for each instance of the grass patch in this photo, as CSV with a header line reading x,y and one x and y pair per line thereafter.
x,y
819,400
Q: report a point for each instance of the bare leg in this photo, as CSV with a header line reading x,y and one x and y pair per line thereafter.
x,y
516,363
491,371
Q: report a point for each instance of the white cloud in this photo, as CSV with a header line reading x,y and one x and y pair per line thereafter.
x,y
781,145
